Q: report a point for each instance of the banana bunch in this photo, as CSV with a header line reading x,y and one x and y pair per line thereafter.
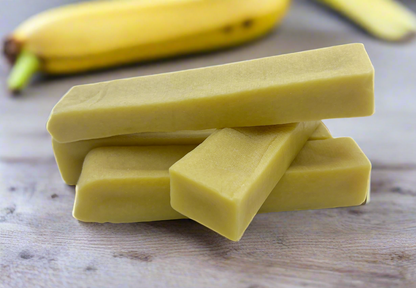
x,y
385,19
100,34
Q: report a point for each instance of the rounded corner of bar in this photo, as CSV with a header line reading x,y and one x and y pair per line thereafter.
x,y
369,107
82,219
172,170
367,198
78,215
362,199
234,239
68,180
79,210
52,130
49,128
371,112
366,201
67,175
236,235
75,215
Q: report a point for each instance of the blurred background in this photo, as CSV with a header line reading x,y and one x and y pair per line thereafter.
x,y
307,25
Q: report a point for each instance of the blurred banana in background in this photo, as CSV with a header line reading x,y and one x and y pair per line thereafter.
x,y
385,19
100,34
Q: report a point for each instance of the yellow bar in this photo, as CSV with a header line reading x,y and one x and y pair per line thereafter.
x,y
334,82
122,184
70,156
127,184
326,174
224,181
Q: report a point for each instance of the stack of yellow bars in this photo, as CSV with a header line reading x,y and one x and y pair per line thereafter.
x,y
138,149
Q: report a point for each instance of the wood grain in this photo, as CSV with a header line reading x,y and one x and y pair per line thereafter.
x,y
41,242
41,245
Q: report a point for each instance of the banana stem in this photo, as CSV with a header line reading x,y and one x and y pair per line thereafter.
x,y
26,65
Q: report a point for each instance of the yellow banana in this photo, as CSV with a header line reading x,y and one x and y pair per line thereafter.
x,y
385,19
99,34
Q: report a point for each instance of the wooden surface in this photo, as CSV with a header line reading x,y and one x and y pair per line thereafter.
x,y
41,245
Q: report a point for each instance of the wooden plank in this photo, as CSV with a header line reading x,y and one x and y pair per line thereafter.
x,y
41,243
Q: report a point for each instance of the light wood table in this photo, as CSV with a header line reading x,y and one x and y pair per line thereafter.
x,y
41,245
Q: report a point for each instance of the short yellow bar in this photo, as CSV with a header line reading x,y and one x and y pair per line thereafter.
x,y
225,180
131,184
334,82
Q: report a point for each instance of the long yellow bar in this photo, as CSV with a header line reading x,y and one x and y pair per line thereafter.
x,y
334,82
70,156
224,181
131,184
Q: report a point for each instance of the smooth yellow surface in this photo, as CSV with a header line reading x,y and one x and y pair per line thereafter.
x,y
224,181
70,156
333,82
98,34
325,174
386,19
127,184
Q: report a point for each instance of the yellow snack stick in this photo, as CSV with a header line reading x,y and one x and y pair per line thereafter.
x,y
139,191
225,180
334,82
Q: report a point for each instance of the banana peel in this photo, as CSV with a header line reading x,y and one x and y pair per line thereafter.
x,y
100,34
385,19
